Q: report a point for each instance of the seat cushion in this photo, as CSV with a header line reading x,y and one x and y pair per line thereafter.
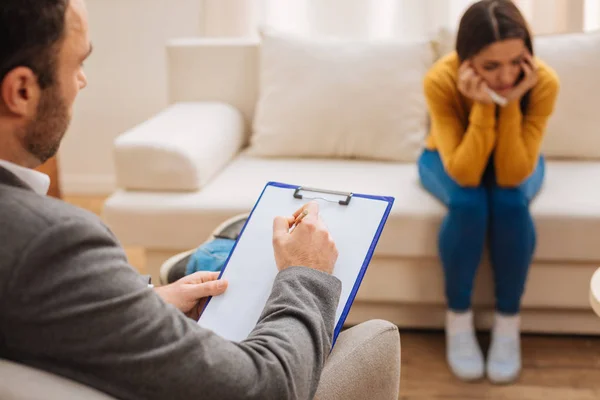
x,y
567,212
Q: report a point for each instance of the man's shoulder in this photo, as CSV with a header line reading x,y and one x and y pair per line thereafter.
x,y
21,205
33,226
25,215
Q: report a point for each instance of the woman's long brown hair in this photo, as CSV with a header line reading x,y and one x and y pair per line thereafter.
x,y
490,21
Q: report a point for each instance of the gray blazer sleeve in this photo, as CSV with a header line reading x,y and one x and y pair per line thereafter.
x,y
73,306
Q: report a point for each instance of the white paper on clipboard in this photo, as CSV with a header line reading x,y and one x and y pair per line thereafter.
x,y
251,268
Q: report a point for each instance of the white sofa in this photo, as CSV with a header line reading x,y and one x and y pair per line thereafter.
x,y
183,172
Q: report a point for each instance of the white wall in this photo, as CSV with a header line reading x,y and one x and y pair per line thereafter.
x,y
127,83
230,18
379,18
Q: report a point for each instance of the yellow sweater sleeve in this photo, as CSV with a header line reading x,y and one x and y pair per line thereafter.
x,y
520,136
464,150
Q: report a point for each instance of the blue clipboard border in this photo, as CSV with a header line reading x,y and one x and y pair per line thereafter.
x,y
366,262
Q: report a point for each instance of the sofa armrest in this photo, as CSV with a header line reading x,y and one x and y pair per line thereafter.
x,y
364,364
20,382
215,69
180,149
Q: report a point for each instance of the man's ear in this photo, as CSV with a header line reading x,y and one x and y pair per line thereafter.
x,y
20,92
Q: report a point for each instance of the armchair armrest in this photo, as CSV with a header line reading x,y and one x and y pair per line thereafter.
x,y
180,149
364,364
20,382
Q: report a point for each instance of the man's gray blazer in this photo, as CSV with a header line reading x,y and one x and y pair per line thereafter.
x,y
70,304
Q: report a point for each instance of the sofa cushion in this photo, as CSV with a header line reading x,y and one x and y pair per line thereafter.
x,y
341,98
566,211
574,128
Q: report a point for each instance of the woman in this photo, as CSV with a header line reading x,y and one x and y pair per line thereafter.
x,y
483,162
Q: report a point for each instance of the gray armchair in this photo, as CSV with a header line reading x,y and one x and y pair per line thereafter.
x,y
365,364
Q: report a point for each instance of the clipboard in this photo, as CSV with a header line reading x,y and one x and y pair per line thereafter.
x,y
355,222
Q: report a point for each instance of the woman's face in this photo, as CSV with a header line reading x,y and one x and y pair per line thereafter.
x,y
499,64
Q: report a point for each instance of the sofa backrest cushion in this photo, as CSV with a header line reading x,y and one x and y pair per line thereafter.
x,y
341,98
574,129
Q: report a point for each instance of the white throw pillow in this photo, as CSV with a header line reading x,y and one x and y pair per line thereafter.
x,y
444,42
341,99
574,128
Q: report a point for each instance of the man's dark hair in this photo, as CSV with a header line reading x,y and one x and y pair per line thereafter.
x,y
30,31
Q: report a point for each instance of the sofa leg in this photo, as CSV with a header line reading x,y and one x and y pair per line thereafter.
x,y
155,259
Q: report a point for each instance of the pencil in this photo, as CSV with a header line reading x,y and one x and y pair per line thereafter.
x,y
298,219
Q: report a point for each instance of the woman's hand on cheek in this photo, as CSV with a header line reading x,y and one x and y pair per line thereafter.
x,y
529,80
471,85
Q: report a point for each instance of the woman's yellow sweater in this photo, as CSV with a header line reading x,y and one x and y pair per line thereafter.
x,y
465,134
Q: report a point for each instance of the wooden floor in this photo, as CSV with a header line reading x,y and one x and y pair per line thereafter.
x,y
554,368
565,368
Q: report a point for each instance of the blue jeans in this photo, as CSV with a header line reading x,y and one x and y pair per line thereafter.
x,y
210,256
475,213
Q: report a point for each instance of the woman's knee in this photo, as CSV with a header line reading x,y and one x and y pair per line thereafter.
x,y
509,201
470,203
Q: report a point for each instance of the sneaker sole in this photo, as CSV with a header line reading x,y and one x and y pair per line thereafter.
x,y
167,265
227,223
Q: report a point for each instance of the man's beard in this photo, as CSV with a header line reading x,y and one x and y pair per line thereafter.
x,y
44,133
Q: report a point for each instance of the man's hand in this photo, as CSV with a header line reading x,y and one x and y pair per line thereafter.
x,y
189,294
529,80
309,244
471,85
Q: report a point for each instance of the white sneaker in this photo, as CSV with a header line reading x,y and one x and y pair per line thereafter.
x,y
462,349
504,356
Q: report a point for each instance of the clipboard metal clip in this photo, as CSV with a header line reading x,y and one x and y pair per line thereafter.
x,y
347,195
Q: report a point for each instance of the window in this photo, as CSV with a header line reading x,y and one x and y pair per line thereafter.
x,y
381,19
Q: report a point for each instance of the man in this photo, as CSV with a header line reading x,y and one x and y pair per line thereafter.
x,y
69,302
